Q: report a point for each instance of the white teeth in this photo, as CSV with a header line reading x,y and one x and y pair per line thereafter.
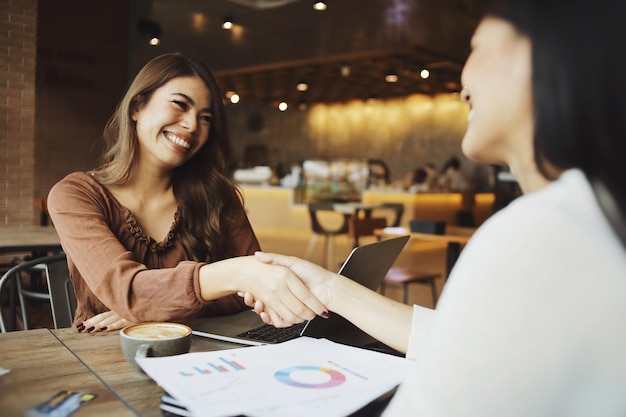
x,y
470,115
178,141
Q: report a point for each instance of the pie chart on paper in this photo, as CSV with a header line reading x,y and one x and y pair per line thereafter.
x,y
307,376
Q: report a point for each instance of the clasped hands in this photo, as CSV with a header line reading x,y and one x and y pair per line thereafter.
x,y
319,281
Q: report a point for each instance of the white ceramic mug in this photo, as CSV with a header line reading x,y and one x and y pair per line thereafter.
x,y
154,339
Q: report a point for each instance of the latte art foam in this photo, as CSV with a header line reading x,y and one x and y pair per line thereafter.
x,y
156,332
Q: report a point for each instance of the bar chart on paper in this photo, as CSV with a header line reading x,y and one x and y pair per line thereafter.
x,y
217,366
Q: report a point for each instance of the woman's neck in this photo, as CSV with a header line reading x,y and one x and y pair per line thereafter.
x,y
527,175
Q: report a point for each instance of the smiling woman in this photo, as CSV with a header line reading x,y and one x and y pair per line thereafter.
x,y
156,232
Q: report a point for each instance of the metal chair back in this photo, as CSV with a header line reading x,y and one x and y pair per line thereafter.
x,y
60,291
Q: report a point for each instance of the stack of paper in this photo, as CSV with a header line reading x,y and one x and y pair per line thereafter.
x,y
302,377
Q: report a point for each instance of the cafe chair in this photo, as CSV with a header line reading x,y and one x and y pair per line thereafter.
x,y
398,209
328,234
396,276
405,277
60,292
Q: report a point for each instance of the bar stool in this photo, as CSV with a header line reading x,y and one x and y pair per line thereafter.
x,y
329,234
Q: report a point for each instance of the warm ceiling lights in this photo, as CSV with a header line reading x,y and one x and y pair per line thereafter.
x,y
232,96
152,29
319,5
302,86
391,77
227,23
424,74
282,106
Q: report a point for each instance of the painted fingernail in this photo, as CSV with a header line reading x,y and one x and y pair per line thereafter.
x,y
81,328
325,314
103,329
89,330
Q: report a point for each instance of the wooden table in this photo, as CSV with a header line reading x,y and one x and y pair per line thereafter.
x,y
44,362
41,366
455,237
35,239
102,355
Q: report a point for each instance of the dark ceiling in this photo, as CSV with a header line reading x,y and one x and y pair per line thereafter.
x,y
277,43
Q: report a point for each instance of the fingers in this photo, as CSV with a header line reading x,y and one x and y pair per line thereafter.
x,y
107,321
280,293
265,317
275,258
259,307
248,298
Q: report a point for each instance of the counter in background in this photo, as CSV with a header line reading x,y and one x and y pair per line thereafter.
x,y
272,210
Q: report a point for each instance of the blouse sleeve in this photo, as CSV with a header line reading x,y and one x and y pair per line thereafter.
x,y
420,330
82,216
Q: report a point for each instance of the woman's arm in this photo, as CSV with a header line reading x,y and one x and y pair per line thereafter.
x,y
112,277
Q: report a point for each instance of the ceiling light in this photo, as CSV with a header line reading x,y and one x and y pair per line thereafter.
x,y
391,77
424,73
319,5
302,86
303,105
227,23
345,70
232,96
152,29
282,106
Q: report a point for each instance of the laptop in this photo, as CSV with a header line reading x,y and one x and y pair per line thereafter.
x,y
367,264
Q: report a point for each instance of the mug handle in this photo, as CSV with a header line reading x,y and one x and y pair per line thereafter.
x,y
144,351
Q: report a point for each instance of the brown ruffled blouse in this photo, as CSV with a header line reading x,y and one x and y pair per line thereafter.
x,y
114,266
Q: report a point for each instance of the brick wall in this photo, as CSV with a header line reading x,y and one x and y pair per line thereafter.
x,y
17,110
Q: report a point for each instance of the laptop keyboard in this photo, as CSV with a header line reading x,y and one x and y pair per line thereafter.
x,y
270,334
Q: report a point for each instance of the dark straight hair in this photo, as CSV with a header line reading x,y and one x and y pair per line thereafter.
x,y
579,85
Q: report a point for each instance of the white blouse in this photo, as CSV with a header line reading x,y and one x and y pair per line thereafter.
x,y
532,319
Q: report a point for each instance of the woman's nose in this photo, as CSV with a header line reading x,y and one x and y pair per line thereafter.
x,y
465,96
189,122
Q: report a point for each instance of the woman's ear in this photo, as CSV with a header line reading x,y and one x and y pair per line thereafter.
x,y
135,106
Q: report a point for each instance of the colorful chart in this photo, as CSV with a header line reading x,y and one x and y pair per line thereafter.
x,y
209,368
310,377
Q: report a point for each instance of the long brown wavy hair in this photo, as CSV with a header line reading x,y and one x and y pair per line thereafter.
x,y
206,196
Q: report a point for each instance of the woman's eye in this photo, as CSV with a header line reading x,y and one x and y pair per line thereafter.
x,y
181,104
206,118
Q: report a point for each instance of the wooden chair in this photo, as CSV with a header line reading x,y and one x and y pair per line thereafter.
x,y
329,234
396,276
60,292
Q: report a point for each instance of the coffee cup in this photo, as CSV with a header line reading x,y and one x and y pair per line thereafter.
x,y
153,339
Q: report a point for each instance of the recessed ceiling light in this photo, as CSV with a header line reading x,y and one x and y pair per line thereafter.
x,y
302,86
227,23
424,73
319,5
391,78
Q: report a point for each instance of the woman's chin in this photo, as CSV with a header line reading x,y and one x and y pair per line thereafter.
x,y
479,151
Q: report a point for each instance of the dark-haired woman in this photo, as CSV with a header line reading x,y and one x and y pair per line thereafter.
x,y
531,321
158,230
